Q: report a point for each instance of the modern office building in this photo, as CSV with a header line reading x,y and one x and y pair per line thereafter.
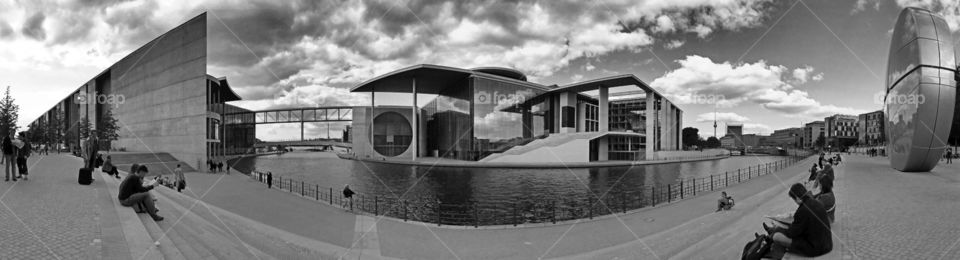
x,y
870,128
922,65
496,115
813,131
789,137
841,130
733,137
161,96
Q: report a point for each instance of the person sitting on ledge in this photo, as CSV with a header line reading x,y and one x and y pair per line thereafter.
x,y
725,202
133,191
808,234
826,196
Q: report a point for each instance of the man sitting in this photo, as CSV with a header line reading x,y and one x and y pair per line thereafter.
x,y
809,232
133,191
725,202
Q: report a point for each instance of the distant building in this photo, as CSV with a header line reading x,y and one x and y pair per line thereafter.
x,y
734,136
811,131
789,137
727,141
870,128
841,130
751,140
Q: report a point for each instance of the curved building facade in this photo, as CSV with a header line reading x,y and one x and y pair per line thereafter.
x,y
920,90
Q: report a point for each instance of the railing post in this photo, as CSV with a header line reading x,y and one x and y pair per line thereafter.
x,y
726,178
403,203
476,216
738,175
331,196
590,206
669,193
515,220
301,188
554,215
316,191
711,182
681,188
438,213
376,204
694,187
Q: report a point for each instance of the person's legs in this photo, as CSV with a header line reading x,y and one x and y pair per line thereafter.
x,y
147,200
782,239
10,167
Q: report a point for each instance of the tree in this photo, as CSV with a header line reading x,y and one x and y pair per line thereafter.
x,y
109,130
713,142
689,136
9,114
820,141
85,128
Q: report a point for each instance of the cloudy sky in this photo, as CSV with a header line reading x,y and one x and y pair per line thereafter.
x,y
776,64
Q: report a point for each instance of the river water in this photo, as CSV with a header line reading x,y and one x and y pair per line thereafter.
x,y
488,186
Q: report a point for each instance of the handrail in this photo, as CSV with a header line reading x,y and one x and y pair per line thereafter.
x,y
431,210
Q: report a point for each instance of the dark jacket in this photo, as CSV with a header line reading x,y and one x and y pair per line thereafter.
x,y
7,146
829,203
810,230
133,184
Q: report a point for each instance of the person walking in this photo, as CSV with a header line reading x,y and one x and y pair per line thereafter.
x,y
180,180
8,155
348,196
269,180
23,152
949,156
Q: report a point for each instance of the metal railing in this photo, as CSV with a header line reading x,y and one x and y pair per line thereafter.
x,y
431,210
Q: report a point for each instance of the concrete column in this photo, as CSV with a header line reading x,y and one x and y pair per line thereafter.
x,y
651,115
603,154
415,122
680,125
568,99
604,107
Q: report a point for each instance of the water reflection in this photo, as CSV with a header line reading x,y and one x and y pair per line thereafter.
x,y
498,186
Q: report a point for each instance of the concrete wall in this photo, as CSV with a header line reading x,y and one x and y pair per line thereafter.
x,y
360,131
691,154
573,151
164,87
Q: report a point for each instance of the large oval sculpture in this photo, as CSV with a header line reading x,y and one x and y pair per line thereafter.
x,y
920,90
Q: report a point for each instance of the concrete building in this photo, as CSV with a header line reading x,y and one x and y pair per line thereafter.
x,y
813,131
841,130
161,96
733,137
496,115
870,128
789,137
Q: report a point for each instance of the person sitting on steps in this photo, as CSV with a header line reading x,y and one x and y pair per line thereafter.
x,y
808,234
133,191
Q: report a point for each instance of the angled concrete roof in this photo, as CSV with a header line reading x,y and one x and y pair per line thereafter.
x,y
431,79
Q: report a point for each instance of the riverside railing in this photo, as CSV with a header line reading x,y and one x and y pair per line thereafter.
x,y
431,210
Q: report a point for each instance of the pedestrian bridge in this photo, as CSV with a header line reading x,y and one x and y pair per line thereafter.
x,y
305,142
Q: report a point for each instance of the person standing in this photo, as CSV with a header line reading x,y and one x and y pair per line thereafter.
x,y
219,166
949,156
269,180
22,154
181,181
8,155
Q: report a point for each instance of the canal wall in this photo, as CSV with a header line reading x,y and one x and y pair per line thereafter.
x,y
691,154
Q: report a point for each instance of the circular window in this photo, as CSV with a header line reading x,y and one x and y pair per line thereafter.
x,y
392,134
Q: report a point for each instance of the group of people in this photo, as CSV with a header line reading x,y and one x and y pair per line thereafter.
x,y
875,152
834,160
216,166
807,231
15,154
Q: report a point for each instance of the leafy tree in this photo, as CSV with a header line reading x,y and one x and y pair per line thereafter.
x,y
689,136
9,114
85,128
109,130
820,141
713,142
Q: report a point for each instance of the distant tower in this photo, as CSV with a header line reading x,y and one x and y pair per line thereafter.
x,y
714,123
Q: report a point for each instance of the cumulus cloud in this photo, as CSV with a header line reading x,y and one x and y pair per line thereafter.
x,y
272,50
949,9
721,117
861,5
756,128
802,75
673,44
700,78
5,29
33,27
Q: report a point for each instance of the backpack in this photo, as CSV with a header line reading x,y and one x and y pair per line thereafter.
x,y
756,249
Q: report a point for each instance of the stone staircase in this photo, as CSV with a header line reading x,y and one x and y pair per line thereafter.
x,y
179,235
550,141
158,163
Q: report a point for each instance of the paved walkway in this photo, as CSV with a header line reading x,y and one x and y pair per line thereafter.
x,y
359,236
50,216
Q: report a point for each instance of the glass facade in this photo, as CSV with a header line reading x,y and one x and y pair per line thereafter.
x,y
498,115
